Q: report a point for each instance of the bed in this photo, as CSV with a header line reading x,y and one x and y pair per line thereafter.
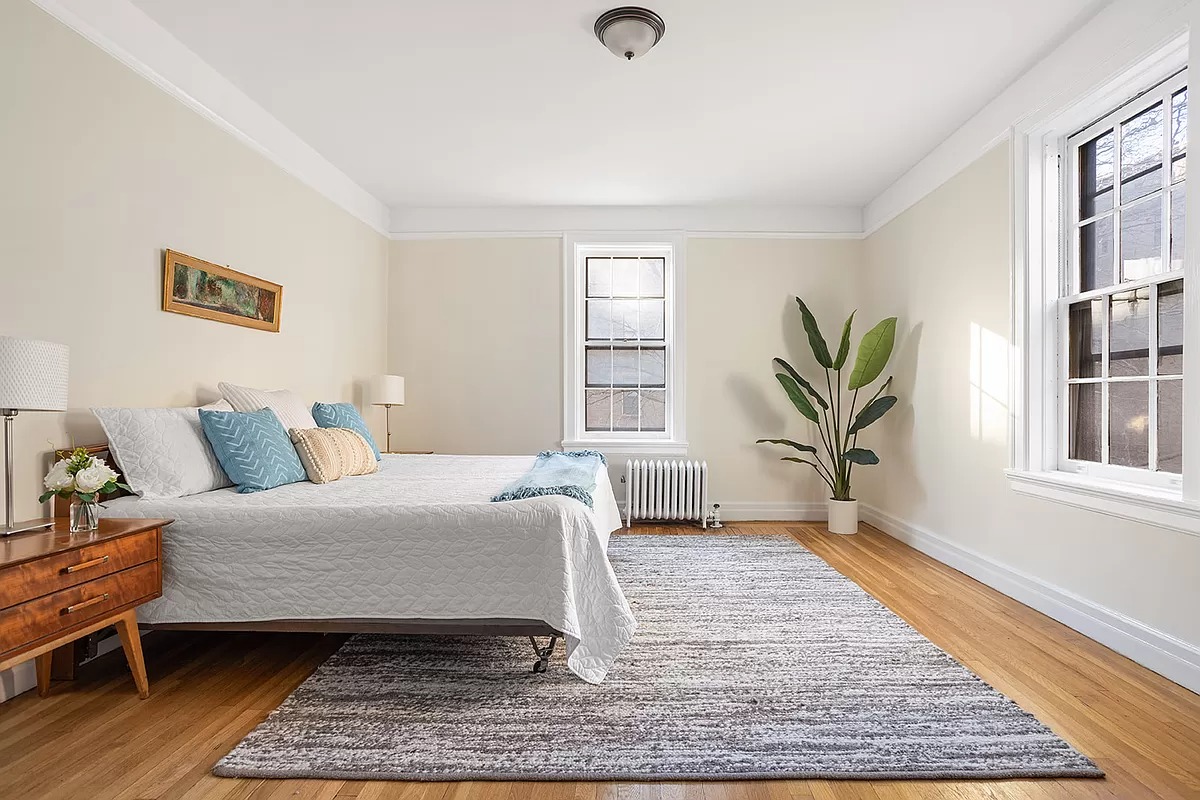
x,y
414,548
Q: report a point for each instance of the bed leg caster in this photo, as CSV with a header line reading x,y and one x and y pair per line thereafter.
x,y
543,654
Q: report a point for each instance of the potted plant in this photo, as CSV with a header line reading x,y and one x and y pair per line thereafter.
x,y
81,478
837,424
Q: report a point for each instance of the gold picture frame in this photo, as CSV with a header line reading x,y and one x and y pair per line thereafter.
x,y
198,288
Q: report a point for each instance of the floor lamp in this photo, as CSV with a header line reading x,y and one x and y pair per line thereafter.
x,y
387,391
33,377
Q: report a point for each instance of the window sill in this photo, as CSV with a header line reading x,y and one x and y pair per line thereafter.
x,y
630,447
1162,508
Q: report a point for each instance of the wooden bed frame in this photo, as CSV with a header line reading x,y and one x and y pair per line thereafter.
x,y
431,627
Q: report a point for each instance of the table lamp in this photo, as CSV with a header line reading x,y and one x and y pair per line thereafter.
x,y
387,391
33,377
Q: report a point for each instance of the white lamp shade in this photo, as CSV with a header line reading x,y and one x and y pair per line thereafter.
x,y
387,390
33,375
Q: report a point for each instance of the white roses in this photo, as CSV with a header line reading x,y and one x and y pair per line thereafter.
x,y
58,479
92,479
82,474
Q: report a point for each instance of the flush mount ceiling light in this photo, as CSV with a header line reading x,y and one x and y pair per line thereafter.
x,y
629,31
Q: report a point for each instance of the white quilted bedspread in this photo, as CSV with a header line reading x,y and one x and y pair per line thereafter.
x,y
418,539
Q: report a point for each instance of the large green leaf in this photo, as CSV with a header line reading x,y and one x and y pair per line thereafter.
x,y
796,395
815,340
860,455
798,378
799,461
803,448
844,347
876,409
873,353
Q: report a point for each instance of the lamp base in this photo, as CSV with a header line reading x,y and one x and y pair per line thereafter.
x,y
27,525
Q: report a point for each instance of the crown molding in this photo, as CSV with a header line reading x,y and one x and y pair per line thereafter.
x,y
1125,30
1118,35
768,222
127,33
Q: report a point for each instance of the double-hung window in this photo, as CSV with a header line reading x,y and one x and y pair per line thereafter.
x,y
624,375
1120,312
1100,274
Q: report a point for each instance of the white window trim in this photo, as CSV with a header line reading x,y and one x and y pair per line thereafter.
x,y
1160,507
576,246
1068,291
1037,146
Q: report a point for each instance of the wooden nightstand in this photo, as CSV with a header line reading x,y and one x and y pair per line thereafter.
x,y
56,587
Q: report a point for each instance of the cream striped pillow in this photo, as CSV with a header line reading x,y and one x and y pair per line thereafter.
x,y
287,405
331,453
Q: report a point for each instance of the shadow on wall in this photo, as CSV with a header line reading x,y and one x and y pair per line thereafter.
x,y
763,404
762,413
82,429
896,456
754,403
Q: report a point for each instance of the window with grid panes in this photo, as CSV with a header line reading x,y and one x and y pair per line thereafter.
x,y
626,344
1122,295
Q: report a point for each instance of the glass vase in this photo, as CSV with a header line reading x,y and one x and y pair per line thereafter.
x,y
84,515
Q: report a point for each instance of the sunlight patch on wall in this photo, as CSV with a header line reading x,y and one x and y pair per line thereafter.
x,y
989,385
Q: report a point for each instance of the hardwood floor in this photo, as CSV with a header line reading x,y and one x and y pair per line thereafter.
x,y
94,739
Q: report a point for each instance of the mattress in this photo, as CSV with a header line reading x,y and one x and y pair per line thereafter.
x,y
418,539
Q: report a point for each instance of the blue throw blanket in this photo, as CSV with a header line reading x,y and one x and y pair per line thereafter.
x,y
570,474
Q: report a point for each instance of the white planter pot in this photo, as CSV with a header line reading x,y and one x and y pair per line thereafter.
x,y
843,516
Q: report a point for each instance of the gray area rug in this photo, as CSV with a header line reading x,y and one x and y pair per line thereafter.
x,y
753,659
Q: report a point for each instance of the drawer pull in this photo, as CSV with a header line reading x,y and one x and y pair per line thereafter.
x,y
95,562
93,601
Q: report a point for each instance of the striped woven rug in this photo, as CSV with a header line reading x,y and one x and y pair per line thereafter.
x,y
753,659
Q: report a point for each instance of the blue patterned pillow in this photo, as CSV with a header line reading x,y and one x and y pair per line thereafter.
x,y
344,415
253,448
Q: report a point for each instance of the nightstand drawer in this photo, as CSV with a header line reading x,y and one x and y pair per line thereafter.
x,y
24,582
45,617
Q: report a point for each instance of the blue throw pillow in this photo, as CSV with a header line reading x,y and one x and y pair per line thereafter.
x,y
344,415
253,448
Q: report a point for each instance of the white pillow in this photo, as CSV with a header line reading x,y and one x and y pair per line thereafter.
x,y
162,452
287,405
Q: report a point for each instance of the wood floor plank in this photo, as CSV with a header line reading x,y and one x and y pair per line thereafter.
x,y
299,790
174,774
93,738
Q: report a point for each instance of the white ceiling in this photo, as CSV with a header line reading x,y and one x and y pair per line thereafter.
x,y
514,102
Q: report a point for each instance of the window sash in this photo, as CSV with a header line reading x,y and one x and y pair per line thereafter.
x,y
613,347
1070,284
579,386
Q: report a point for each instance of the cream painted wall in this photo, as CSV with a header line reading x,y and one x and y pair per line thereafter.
x,y
475,327
740,315
102,170
943,268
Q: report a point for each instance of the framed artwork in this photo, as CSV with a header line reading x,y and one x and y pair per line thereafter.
x,y
200,289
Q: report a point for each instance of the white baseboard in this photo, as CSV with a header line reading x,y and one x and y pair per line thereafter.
x,y
767,512
20,678
1170,657
772,512
764,511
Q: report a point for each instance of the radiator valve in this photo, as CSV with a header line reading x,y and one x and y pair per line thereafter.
x,y
715,517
